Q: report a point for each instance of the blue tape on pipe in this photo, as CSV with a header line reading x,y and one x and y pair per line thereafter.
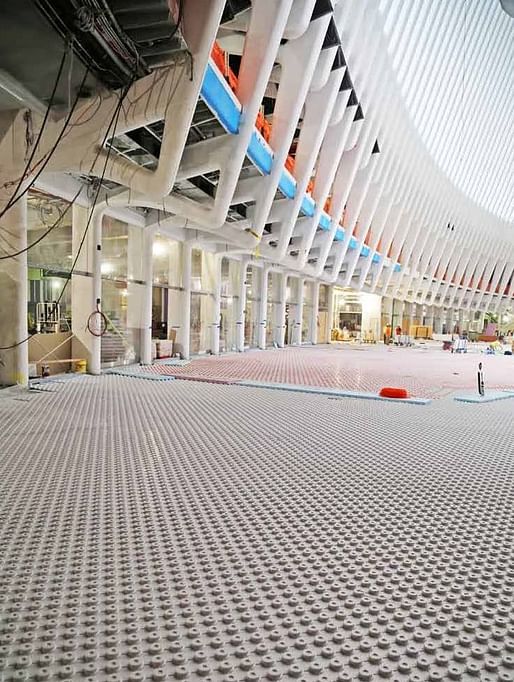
x,y
308,205
287,184
325,221
219,100
259,154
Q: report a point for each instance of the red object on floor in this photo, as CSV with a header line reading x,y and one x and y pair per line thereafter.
x,y
391,392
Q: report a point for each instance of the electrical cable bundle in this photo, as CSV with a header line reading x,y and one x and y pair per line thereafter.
x,y
113,123
43,162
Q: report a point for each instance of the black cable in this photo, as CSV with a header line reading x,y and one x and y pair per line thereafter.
x,y
40,135
114,119
49,154
47,232
103,326
177,25
179,19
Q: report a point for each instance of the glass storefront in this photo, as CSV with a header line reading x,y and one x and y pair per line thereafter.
x,y
49,262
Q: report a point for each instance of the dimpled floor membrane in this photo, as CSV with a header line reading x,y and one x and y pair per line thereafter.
x,y
426,372
189,531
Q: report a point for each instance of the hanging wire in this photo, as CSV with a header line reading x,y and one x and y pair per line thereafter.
x,y
113,122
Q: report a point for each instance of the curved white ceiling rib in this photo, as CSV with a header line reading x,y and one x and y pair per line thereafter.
x,y
454,63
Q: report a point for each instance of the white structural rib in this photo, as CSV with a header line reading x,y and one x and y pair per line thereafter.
x,y
457,81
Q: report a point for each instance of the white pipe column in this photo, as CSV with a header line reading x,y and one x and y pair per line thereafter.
x,y
461,320
241,307
187,250
298,321
263,308
146,313
436,319
14,363
330,313
429,317
398,313
313,322
449,321
215,341
95,366
280,310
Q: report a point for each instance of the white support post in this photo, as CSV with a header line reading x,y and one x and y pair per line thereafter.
x,y
241,308
146,313
215,342
186,299
14,362
95,366
280,311
81,283
313,322
437,320
330,313
461,321
263,308
399,309
429,318
298,321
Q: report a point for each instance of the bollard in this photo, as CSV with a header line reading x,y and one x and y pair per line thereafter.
x,y
480,377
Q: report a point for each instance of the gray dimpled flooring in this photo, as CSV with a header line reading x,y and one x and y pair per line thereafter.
x,y
177,530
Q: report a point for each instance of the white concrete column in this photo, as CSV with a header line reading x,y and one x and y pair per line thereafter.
x,y
81,284
175,294
185,330
429,318
438,322
398,314
146,313
447,322
215,329
280,310
298,317
241,307
413,314
136,291
263,308
330,313
386,310
313,322
461,321
14,362
95,366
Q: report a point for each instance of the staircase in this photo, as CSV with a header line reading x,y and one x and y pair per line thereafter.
x,y
114,349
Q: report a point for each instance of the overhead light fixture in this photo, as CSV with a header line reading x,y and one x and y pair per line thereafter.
x,y
159,248
508,7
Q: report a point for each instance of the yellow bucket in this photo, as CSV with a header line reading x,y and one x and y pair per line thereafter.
x,y
81,366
